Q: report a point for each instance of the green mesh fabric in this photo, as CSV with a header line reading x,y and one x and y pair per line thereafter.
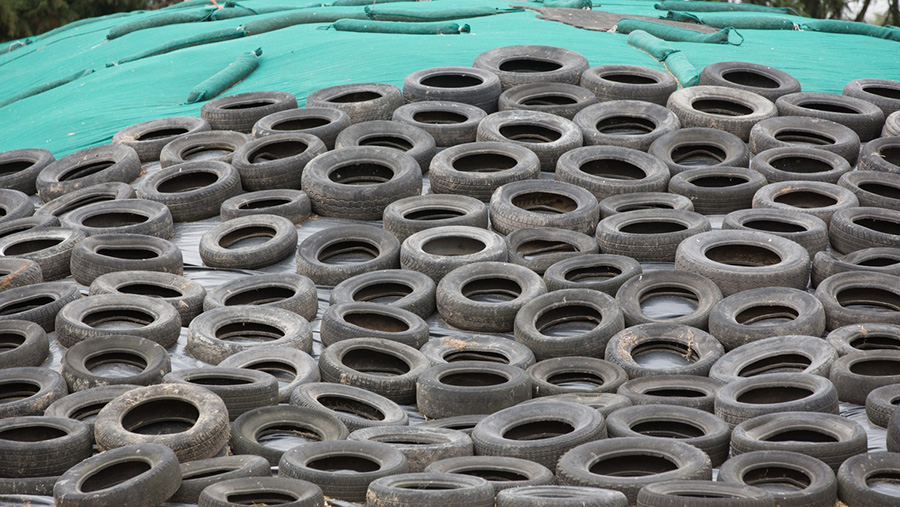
x,y
299,57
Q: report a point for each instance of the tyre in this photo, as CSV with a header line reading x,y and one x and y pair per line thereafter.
x,y
291,292
806,230
560,99
855,479
99,164
633,124
689,148
881,92
600,272
359,182
185,295
560,496
214,145
880,405
680,390
372,320
649,235
793,163
638,293
805,131
632,82
125,216
262,490
148,358
510,286
874,189
38,303
42,446
15,272
322,122
547,135
193,190
569,322
718,190
697,349
241,389
199,474
407,290
290,366
778,354
88,195
449,123
291,204
702,493
50,247
525,64
794,479
853,229
732,110
767,81
478,87
478,169
29,390
362,101
563,375
864,118
84,405
420,446
527,204
240,111
410,215
857,374
28,223
775,393
221,332
302,424
470,387
854,297
360,248
752,315
109,254
502,472
224,246
742,260
353,406
610,170
539,248
463,423
878,260
880,155
864,336
14,204
97,316
148,138
430,490
22,343
20,168
487,348
644,201
891,125
439,250
404,137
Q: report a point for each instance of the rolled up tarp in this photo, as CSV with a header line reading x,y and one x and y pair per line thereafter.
x,y
41,88
237,10
739,21
219,35
277,21
675,62
675,34
568,4
236,72
391,13
691,6
164,19
350,3
853,27
399,27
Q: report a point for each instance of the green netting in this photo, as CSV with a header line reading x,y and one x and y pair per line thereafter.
x,y
399,27
675,34
689,6
673,59
236,72
302,58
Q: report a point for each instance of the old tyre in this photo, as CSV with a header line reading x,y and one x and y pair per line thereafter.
x,y
880,155
449,123
560,99
502,472
702,493
408,490
560,496
302,423
353,406
470,387
291,204
718,190
14,204
276,161
90,317
215,145
439,250
50,247
192,190
526,204
262,490
371,320
404,137
866,227
88,195
853,297
881,403
643,201
478,87
698,349
547,135
124,216
865,118
794,479
767,81
681,390
733,110
185,295
218,333
883,260
476,347
84,405
857,374
524,64
148,138
784,131
241,389
292,292
240,111
29,390
881,92
864,336
381,366
631,124
361,101
322,122
99,164
634,293
420,446
22,343
42,446
199,474
633,82
217,245
688,148
20,168
873,189
649,235
859,474
611,170
775,393
408,290
107,254
290,366
575,374
477,169
806,230
410,215
601,272
38,303
778,354
793,163
367,249
149,359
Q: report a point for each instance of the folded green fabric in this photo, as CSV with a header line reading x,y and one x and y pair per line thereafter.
x,y
675,34
399,27
279,20
390,13
853,27
41,88
740,21
166,18
689,6
194,40
226,78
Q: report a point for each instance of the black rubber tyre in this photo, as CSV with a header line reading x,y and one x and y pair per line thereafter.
x,y
827,437
84,405
211,334
38,303
855,297
463,423
82,197
631,124
806,230
99,164
198,413
38,486
865,118
303,424
610,170
629,463
16,272
353,406
262,491
90,317
150,468
525,64
857,374
192,190
689,425
421,446
322,122
508,287
698,349
280,243
240,111
859,474
767,81
568,322
560,496
290,366
644,201
718,190
108,254
361,101
199,474
700,493
28,223
291,204
241,389
20,168
881,92
148,138
733,110
404,137
876,260
292,292
739,260
805,131
560,99
410,215
359,182
601,272
430,490
874,189
148,358
439,250
526,204
775,393
880,155
864,336
317,463
689,148
702,292
649,235
478,169
22,343
681,390
540,432
502,472
547,135
29,390
632,82
539,248
449,123
372,320
124,216
793,163
470,387
408,290
476,347
881,403
754,314
381,366
184,294
368,248
14,204
478,87
778,354
853,229
42,446
50,247
574,374
215,145
794,479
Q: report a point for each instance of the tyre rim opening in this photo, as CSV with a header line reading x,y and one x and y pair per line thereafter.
x,y
350,406
750,79
250,104
752,256
439,118
114,474
473,378
207,151
160,417
882,226
387,141
427,486
434,213
150,290
285,373
26,304
538,430
452,81
492,475
875,342
626,126
468,354
548,99
11,341
577,380
121,318
722,107
264,203
85,170
484,163
187,182
800,435
806,199
14,166
294,125
766,315
777,479
531,250
529,133
827,108
804,137
772,395
115,219
285,435
352,97
259,296
373,362
12,231
88,413
887,191
115,364
568,320
668,428
675,392
158,134
417,439
613,169
348,252
127,253
722,181
545,203
668,302
376,322
247,237
261,498
452,246
661,353
361,174
869,299
652,225
697,155
890,155
796,164
345,464
31,246
80,203
492,290
217,379
780,363
248,332
644,204
592,274
884,482
775,226
277,151
882,91
11,392
879,262
626,78
384,293
205,474
632,465
529,65
875,368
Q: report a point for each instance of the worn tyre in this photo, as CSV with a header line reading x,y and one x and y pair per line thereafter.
x,y
857,374
322,122
751,315
20,168
367,249
408,290
718,190
216,244
633,124
800,479
767,81
38,303
477,169
148,138
632,82
610,170
688,148
410,215
439,250
361,101
371,320
292,292
775,393
470,387
524,64
192,190
240,111
184,294
291,204
547,135
575,374
478,87
303,423
449,123
404,137
90,317
147,357
290,366
649,235
22,343
211,335
353,406
698,289
99,164
806,230
865,118
107,254
50,247
698,349
420,446
381,366
215,145
855,297
733,110
778,354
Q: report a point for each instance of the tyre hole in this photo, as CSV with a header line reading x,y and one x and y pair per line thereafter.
x,y
800,435
722,181
530,133
476,355
743,255
887,191
420,439
568,320
538,430
433,213
261,498
876,342
206,151
160,417
205,474
535,249
246,237
14,391
628,78
88,413
805,199
668,302
890,155
259,296
494,475
33,433
828,108
450,246
264,203
80,203
492,290
869,299
115,364
680,392
643,204
579,380
661,353
800,165
114,474
720,107
804,137
351,407
548,99
879,262
697,155
781,363
484,163
875,368
26,247
153,135
439,117
285,373
771,395
248,332
301,124
349,98
545,203
473,379
14,166
774,226
213,379
127,253
84,170
361,174
277,151
345,464
666,428
114,220
452,81
376,322
25,304
625,126
12,231
348,252
429,486
250,104
592,274
384,293
373,362
766,315
613,169
11,341
777,479
881,91
750,79
150,290
528,65
885,483
283,436
633,465
652,226
118,318
396,142
186,182
882,226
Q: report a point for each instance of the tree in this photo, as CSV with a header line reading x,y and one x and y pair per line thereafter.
x,y
25,18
